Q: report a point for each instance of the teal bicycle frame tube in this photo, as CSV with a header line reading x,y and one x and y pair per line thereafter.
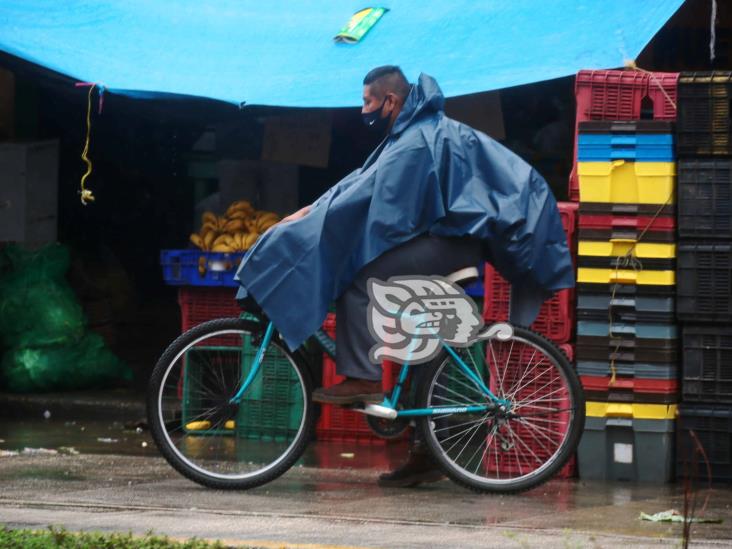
x,y
257,364
396,393
403,374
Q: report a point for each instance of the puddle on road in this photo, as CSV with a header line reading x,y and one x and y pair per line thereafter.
x,y
86,436
111,437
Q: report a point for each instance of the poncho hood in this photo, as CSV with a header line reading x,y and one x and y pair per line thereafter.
x,y
425,97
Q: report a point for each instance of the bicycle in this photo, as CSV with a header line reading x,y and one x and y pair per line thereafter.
x,y
229,405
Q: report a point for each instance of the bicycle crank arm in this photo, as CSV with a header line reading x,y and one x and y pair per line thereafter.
x,y
377,410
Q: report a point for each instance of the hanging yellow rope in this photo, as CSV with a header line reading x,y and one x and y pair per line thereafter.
x,y
631,65
86,194
626,261
629,260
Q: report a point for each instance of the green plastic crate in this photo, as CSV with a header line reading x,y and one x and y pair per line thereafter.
x,y
271,408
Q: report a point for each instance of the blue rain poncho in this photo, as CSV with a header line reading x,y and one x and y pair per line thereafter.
x,y
430,174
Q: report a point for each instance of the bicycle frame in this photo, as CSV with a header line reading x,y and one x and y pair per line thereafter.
x,y
391,403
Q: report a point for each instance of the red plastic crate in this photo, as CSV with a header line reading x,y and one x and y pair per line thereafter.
x,y
602,383
620,95
338,423
546,383
199,304
587,221
609,227
556,318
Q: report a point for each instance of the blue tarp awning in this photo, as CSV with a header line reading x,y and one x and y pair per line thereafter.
x,y
281,52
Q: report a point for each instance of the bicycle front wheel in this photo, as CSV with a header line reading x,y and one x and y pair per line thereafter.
x,y
209,438
511,448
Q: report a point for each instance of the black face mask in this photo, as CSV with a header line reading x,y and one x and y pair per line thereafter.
x,y
373,120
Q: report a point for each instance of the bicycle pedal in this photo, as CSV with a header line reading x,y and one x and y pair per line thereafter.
x,y
379,410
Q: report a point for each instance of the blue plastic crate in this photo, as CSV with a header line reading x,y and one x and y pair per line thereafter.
x,y
476,289
640,140
634,330
598,368
639,147
199,268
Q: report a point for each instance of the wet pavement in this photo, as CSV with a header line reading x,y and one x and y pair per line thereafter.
x,y
117,482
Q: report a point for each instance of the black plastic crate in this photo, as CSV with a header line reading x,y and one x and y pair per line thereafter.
x,y
627,290
631,397
639,263
704,198
625,352
625,308
610,208
668,237
704,282
712,425
704,122
707,364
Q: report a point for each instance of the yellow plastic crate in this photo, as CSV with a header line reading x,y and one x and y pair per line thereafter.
x,y
622,276
635,411
625,182
620,247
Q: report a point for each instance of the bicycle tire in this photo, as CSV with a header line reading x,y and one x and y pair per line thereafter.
x,y
162,384
543,472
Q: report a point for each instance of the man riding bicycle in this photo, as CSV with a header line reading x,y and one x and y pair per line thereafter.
x,y
435,196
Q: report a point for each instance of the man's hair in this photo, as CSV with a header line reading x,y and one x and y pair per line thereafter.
x,y
388,78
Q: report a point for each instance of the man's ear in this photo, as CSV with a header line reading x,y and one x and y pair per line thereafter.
x,y
394,102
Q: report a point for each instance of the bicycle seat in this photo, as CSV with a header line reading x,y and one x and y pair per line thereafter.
x,y
464,276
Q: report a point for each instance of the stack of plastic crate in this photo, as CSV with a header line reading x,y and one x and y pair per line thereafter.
x,y
207,291
704,291
205,281
627,339
621,95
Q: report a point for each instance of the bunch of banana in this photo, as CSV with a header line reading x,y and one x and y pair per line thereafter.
x,y
236,231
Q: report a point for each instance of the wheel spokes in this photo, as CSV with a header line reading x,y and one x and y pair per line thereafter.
x,y
503,446
216,437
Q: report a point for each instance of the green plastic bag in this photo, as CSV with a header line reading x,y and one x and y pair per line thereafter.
x,y
84,364
37,305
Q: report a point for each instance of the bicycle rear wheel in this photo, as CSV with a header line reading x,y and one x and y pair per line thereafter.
x,y
504,450
205,436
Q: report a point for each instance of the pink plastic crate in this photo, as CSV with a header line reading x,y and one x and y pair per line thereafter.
x,y
556,318
340,424
620,95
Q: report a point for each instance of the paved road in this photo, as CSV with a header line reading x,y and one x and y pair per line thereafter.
x,y
319,507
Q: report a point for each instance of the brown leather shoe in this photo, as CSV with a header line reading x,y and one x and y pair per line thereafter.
x,y
350,391
419,468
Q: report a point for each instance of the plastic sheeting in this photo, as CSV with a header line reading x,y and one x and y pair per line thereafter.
x,y
430,174
282,52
